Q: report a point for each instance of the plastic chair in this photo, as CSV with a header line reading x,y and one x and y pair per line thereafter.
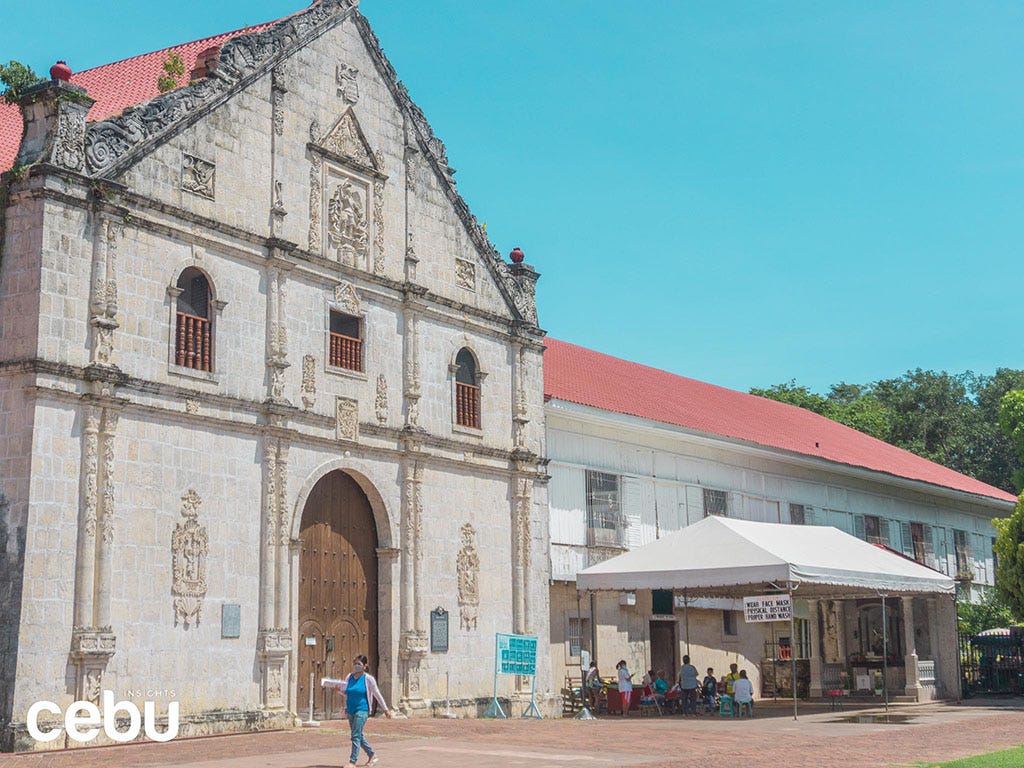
x,y
725,705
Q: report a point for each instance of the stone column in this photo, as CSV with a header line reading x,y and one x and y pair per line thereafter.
x,y
85,565
282,586
105,543
277,332
815,660
268,541
519,401
413,642
522,494
841,638
913,686
411,369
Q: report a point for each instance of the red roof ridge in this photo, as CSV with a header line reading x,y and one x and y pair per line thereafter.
x,y
232,33
586,377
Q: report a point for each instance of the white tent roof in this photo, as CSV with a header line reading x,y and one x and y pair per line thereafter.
x,y
721,557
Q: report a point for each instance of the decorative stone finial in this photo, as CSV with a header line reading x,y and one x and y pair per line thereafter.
x,y
60,71
517,255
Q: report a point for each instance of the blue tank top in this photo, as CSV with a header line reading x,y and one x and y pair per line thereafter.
x,y
355,694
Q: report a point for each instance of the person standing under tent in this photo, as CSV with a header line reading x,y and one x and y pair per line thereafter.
x,y
688,684
625,685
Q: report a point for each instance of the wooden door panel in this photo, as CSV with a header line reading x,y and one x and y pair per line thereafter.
x,y
337,583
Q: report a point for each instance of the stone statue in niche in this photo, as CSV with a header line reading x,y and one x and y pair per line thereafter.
x,y
346,221
468,567
189,546
348,86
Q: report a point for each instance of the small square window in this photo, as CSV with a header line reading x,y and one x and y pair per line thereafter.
x,y
716,503
729,624
661,602
797,514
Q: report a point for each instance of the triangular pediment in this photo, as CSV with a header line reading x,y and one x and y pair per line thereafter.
x,y
346,139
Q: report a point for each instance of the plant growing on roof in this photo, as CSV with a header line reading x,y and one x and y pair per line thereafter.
x,y
18,78
174,72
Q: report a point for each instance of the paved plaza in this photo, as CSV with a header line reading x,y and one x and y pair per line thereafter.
x,y
820,739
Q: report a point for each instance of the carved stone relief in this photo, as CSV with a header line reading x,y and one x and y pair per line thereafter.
x,y
346,139
189,548
468,567
348,86
381,403
465,274
378,226
308,381
197,176
346,297
347,227
347,417
69,142
191,405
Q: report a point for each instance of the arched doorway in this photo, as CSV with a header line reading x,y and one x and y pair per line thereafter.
x,y
337,587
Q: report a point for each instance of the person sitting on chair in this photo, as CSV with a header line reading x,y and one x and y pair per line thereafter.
x,y
709,688
743,694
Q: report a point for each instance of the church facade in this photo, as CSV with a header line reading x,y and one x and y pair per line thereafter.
x,y
269,397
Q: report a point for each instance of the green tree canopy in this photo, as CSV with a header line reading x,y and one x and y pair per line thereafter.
x,y
17,78
1009,549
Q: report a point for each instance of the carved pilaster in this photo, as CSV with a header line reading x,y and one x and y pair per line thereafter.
x,y
281,613
411,374
315,202
190,544
103,301
522,500
269,538
277,333
105,517
85,565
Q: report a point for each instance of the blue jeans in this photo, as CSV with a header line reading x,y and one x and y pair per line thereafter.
x,y
357,720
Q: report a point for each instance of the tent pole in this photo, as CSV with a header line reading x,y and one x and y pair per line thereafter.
x,y
584,713
792,643
593,631
686,618
885,657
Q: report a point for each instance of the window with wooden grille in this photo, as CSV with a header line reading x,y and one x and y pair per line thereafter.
x,y
606,524
467,390
797,514
193,332
716,503
578,630
346,342
873,529
962,546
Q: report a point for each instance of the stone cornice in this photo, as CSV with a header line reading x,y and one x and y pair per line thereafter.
x,y
261,423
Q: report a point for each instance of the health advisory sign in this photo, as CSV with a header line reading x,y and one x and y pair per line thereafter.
x,y
768,608
516,654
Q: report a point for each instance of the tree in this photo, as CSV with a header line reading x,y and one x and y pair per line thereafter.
x,y
790,393
1009,549
174,71
990,612
1011,421
17,78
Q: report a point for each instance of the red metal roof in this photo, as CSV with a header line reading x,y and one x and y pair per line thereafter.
x,y
115,86
577,375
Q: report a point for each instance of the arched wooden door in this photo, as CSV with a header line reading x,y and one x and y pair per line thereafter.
x,y
337,587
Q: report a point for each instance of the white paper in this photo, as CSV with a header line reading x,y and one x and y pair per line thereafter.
x,y
330,682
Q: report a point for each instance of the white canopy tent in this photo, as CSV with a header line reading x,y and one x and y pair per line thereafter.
x,y
722,557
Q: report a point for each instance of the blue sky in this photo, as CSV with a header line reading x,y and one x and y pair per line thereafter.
x,y
743,193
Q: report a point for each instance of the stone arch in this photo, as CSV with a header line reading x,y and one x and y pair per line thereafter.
x,y
360,473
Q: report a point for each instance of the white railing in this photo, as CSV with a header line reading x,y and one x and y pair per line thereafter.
x,y
925,671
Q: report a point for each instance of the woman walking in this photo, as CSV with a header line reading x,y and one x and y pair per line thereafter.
x,y
360,688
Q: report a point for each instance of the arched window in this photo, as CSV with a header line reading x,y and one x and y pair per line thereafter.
x,y
193,334
467,390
